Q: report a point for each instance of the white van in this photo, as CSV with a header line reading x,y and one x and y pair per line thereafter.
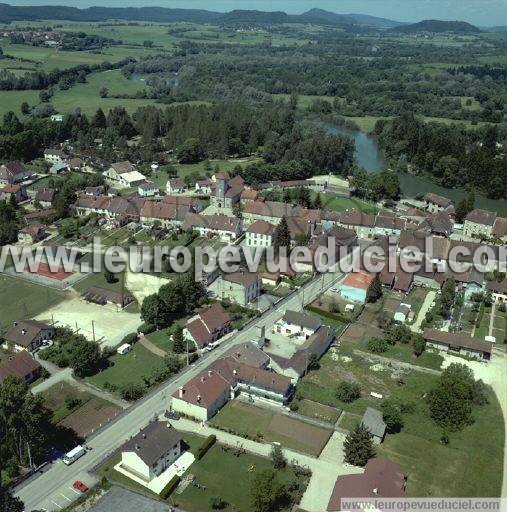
x,y
73,455
124,349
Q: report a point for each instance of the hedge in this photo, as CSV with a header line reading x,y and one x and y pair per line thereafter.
x,y
327,314
129,338
169,488
146,328
203,449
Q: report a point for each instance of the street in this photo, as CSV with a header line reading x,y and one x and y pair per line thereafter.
x,y
53,489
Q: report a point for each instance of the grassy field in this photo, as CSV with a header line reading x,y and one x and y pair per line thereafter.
x,y
85,417
130,368
21,299
318,411
161,339
341,204
255,422
434,469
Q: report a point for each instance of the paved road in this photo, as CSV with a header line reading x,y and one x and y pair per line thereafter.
x,y
52,490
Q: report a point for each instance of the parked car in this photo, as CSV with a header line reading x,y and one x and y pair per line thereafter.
x,y
80,486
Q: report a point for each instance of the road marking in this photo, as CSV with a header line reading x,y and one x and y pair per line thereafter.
x,y
68,499
75,490
54,503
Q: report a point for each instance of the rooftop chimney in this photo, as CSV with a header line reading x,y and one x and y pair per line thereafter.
x,y
23,331
210,373
181,391
138,447
199,398
202,379
375,491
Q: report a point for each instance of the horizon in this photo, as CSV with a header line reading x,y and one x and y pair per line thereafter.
x,y
485,13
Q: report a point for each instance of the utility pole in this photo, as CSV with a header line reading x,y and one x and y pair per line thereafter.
x,y
93,330
188,356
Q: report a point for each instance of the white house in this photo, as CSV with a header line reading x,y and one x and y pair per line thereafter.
x,y
147,189
227,228
299,325
55,156
132,179
175,186
260,234
150,452
240,287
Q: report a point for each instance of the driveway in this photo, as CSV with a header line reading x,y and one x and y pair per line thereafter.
x,y
416,326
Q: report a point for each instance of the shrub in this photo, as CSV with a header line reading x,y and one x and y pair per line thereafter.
x,y
348,391
130,338
146,328
170,487
203,449
377,346
132,392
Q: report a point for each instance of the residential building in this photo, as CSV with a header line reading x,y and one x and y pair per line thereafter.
x,y
58,168
203,186
402,313
387,224
13,172
500,229
75,164
208,326
153,450
240,287
374,422
226,191
103,296
28,335
175,186
362,223
435,203
249,194
147,189
249,354
117,169
13,189
260,234
479,223
227,228
168,215
459,343
355,286
55,156
439,223
270,211
498,290
46,197
22,366
296,365
382,478
195,204
297,324
33,233
205,394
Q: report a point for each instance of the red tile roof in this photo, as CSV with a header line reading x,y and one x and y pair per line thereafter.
x,y
361,280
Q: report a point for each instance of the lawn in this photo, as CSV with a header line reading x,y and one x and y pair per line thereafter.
x,y
259,423
318,411
161,339
341,204
130,368
349,421
21,299
215,473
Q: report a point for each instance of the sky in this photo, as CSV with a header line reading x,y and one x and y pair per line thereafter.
x,y
478,12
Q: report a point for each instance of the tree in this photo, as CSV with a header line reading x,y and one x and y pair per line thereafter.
x,y
313,362
465,206
104,92
99,119
25,108
148,44
392,416
450,402
418,344
377,345
282,236
178,341
8,502
279,461
374,292
447,297
132,391
85,358
191,151
358,446
348,391
266,492
154,311
109,276
317,202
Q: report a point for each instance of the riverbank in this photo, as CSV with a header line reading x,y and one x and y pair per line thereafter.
x,y
369,156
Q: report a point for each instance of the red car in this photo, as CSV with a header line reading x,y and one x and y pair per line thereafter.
x,y
80,486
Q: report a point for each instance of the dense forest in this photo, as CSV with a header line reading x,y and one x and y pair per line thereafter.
x,y
454,156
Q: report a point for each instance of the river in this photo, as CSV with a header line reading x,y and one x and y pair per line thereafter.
x,y
369,157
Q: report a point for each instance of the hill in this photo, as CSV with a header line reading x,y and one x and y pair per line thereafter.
x,y
438,26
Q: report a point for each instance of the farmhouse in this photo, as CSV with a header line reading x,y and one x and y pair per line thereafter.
x,y
46,197
355,286
204,395
194,204
32,233
55,156
458,342
208,325
167,214
373,421
240,287
118,169
28,335
362,223
152,451
270,211
21,365
382,478
18,191
175,186
297,324
147,189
